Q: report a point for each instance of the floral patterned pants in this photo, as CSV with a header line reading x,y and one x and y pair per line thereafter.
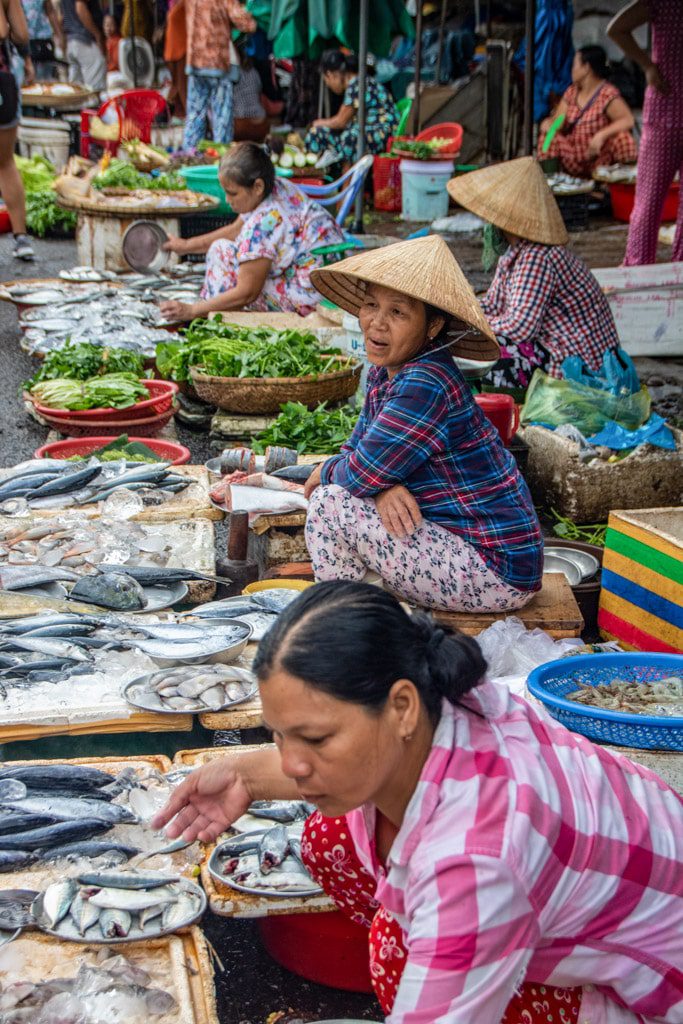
x,y
208,95
280,293
331,858
434,567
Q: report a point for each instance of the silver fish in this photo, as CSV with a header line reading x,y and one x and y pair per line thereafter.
x,y
125,880
110,590
83,913
283,811
15,577
49,776
132,900
150,913
68,482
46,645
57,899
56,835
275,600
272,848
176,915
114,922
72,809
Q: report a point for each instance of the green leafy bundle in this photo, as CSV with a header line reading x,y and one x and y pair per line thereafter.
x,y
227,350
82,360
109,391
121,174
44,214
37,173
319,431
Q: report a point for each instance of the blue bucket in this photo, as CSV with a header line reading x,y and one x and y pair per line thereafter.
x,y
424,195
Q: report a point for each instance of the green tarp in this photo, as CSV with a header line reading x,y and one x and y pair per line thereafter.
x,y
304,28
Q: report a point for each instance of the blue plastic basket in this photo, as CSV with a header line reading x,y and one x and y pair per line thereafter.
x,y
552,682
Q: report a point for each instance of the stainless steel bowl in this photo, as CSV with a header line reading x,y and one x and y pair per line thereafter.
x,y
142,247
586,563
558,563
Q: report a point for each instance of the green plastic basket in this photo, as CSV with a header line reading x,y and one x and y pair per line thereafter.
x,y
204,178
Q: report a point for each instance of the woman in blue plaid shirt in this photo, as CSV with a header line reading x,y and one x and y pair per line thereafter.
x,y
424,494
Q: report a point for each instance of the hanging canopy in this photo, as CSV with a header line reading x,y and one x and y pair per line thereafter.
x,y
304,28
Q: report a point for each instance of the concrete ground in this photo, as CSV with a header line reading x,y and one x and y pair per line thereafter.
x,y
252,985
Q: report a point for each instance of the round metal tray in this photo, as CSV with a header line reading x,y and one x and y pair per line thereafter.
x,y
66,929
213,865
587,564
142,247
137,701
558,563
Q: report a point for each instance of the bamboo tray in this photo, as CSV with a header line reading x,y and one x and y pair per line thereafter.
x,y
133,202
201,532
192,503
76,100
227,902
179,963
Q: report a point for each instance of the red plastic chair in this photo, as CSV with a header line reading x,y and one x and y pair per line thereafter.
x,y
136,110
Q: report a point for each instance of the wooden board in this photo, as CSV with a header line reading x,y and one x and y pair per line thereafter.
x,y
180,963
227,902
199,534
192,503
553,609
138,721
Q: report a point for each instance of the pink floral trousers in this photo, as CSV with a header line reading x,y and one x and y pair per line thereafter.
x,y
433,567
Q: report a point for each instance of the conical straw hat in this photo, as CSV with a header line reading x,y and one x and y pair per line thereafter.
x,y
423,268
515,197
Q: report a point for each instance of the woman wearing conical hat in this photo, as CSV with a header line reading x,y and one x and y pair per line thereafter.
x,y
543,303
424,494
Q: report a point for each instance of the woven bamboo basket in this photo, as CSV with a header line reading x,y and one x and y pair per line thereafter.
x,y
267,394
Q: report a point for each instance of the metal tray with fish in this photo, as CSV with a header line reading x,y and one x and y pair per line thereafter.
x,y
292,881
191,689
164,596
97,907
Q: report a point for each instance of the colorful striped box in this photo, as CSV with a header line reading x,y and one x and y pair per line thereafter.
x,y
641,601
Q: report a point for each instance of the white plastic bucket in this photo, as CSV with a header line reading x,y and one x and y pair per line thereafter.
x,y
424,189
48,138
355,346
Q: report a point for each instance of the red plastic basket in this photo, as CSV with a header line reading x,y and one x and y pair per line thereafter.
x,y
161,395
623,196
149,427
169,451
326,948
448,130
386,179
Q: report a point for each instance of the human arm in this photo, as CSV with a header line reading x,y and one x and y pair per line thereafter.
x,y
620,30
201,243
529,287
15,20
341,119
471,935
55,20
240,17
620,119
251,278
411,427
561,108
215,795
88,22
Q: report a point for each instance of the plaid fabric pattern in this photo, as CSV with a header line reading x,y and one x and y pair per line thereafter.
x,y
529,854
422,429
572,149
545,294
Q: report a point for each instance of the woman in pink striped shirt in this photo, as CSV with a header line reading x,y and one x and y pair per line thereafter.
x,y
507,869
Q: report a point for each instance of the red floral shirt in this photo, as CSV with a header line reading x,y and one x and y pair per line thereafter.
x,y
209,30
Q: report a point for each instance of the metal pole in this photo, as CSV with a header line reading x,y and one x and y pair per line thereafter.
x,y
442,32
529,77
418,68
362,79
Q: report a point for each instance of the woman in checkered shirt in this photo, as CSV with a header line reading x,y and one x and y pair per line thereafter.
x,y
543,303
506,868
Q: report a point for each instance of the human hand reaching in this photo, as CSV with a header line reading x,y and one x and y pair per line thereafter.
x,y
207,803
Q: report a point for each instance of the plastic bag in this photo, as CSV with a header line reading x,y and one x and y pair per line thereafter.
x,y
655,432
551,402
617,373
511,649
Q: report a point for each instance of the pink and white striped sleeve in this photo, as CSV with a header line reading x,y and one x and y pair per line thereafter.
x,y
471,935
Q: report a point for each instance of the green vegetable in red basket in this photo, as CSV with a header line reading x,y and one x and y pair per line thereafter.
x,y
82,360
319,431
110,391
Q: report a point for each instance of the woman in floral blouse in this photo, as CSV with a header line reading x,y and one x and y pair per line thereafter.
x,y
263,261
339,134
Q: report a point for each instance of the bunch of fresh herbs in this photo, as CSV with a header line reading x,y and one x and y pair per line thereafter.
x,y
319,431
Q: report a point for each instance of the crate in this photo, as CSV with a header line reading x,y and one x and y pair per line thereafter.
x,y
588,491
386,183
574,210
641,600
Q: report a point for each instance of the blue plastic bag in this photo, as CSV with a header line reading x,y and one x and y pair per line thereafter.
x,y
617,374
655,432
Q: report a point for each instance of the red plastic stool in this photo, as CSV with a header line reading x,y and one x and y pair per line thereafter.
x,y
326,948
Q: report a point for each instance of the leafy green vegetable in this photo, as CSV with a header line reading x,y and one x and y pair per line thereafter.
x,y
226,350
37,173
43,213
120,448
109,391
319,431
80,361
121,174
592,533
